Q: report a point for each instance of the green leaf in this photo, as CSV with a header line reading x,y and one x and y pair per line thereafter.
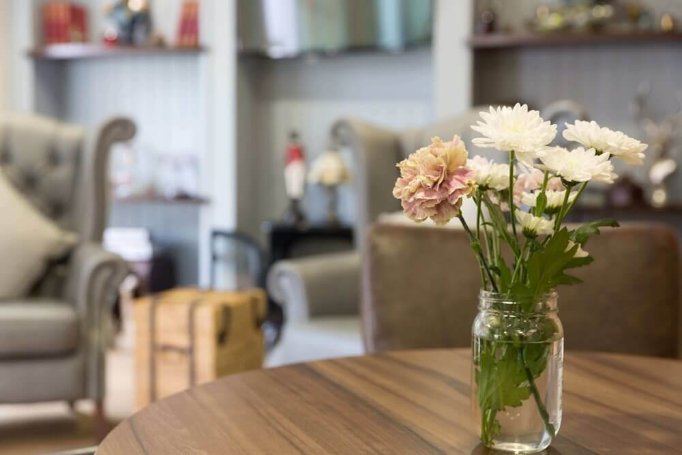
x,y
567,279
545,266
540,203
583,233
505,274
580,262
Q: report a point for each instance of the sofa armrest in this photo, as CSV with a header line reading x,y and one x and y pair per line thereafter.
x,y
92,286
94,276
326,285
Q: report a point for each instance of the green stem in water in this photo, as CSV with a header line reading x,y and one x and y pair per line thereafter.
x,y
536,395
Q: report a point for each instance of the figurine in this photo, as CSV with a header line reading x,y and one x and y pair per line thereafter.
x,y
294,180
130,23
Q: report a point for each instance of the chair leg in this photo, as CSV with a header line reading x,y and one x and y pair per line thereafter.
x,y
72,405
100,421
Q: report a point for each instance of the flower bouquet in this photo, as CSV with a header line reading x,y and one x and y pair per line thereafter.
x,y
524,249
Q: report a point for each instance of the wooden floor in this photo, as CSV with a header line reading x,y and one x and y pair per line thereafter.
x,y
52,427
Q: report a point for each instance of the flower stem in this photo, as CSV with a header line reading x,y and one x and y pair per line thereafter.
x,y
536,395
485,236
512,207
479,253
498,221
564,209
520,261
577,196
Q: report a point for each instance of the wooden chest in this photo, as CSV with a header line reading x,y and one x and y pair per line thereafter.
x,y
188,336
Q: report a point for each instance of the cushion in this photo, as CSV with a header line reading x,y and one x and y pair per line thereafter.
x,y
37,328
28,241
317,339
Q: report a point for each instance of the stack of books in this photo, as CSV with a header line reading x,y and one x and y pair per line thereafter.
x,y
188,31
64,22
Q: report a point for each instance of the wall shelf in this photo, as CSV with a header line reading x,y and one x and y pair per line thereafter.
x,y
79,51
512,40
158,199
330,53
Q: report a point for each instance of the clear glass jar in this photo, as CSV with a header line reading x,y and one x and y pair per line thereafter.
x,y
517,371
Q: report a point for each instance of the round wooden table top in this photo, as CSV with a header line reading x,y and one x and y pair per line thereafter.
x,y
409,402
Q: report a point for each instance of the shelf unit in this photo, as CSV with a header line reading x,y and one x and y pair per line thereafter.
x,y
513,40
77,51
158,199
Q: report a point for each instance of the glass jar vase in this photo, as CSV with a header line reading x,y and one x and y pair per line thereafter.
x,y
517,362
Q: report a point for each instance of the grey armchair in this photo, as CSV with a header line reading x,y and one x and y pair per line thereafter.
x,y
52,342
318,290
629,301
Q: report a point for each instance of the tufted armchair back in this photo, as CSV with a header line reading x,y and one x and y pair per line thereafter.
x,y
42,158
51,163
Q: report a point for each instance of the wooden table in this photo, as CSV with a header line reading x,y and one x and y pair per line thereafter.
x,y
403,403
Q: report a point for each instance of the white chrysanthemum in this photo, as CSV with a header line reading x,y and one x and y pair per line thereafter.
x,y
534,225
489,174
555,199
514,129
578,165
604,140
626,148
579,253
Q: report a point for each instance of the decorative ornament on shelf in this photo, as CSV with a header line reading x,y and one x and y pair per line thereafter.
x,y
129,23
663,136
521,206
329,171
667,23
486,18
294,180
594,16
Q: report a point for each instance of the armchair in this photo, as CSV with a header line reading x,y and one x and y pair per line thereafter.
x,y
629,301
303,286
52,342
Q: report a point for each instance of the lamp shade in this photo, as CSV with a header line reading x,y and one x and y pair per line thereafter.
x,y
328,169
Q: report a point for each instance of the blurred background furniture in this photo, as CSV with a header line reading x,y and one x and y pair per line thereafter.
x,y
291,241
320,295
421,291
53,341
288,240
242,254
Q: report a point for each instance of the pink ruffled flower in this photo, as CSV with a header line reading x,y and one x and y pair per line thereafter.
x,y
433,181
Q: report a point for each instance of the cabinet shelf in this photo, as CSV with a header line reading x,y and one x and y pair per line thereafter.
x,y
158,199
80,51
512,40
